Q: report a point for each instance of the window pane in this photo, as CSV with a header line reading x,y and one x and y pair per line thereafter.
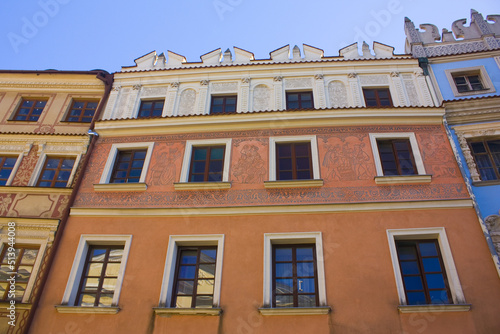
x,y
109,284
413,283
306,285
410,268
305,269
284,269
87,300
183,301
307,301
439,297
206,271
284,286
428,249
284,301
435,281
188,257
283,254
90,284
187,272
208,255
416,298
112,269
431,264
200,153
217,153
205,287
106,300
204,301
185,287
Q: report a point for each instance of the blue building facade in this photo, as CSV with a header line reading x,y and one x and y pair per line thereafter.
x,y
463,66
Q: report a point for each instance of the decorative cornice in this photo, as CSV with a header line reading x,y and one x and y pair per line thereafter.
x,y
403,179
295,311
293,184
50,85
166,311
35,190
120,187
87,310
434,308
202,185
271,209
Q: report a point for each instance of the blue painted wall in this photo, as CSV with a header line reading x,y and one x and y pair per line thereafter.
x,y
444,86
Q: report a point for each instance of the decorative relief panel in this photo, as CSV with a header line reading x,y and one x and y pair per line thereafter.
x,y
338,94
411,90
493,224
187,102
438,159
166,162
374,79
26,168
298,83
229,87
251,165
261,98
154,92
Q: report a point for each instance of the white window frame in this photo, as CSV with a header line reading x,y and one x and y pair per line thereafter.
x,y
41,162
271,239
474,70
75,276
293,139
398,135
186,163
115,148
20,156
435,233
27,241
176,241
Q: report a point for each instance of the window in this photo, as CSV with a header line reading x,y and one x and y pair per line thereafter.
x,y
223,104
56,172
299,100
195,277
487,156
192,276
97,273
21,261
100,276
30,110
293,158
469,81
151,108
424,269
294,273
293,161
82,111
207,163
396,157
380,97
128,166
6,166
294,276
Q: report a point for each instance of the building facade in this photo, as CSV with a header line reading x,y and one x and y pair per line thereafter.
x,y
296,193
44,119
464,66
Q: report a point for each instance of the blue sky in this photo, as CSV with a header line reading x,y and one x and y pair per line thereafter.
x,y
91,34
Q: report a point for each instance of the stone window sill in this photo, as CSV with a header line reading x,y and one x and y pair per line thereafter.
x,y
293,184
295,310
202,185
168,311
403,179
120,187
87,310
434,308
486,183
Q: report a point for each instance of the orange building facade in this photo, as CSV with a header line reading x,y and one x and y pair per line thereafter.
x,y
299,193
